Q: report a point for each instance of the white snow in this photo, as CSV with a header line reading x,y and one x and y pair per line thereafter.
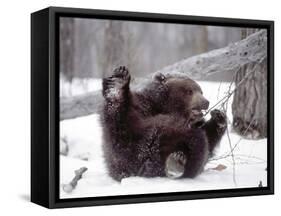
x,y
84,138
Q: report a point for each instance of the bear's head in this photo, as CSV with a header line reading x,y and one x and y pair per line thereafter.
x,y
181,95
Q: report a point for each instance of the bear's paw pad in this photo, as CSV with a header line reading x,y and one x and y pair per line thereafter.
x,y
121,72
175,163
113,86
219,117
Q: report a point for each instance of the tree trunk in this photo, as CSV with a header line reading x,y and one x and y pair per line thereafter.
x,y
67,48
114,43
249,107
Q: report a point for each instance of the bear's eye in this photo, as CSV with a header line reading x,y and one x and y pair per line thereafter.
x,y
189,91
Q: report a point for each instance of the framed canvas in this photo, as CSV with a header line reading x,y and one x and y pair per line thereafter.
x,y
139,107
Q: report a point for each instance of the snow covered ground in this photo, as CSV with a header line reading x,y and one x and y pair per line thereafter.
x,y
84,139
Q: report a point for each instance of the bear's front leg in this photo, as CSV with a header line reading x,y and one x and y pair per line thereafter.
x,y
215,128
116,94
115,129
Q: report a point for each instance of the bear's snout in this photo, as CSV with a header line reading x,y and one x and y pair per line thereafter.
x,y
199,102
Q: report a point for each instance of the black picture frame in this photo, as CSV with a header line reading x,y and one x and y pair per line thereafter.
x,y
45,107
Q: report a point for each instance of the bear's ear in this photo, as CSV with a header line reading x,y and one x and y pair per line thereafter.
x,y
160,77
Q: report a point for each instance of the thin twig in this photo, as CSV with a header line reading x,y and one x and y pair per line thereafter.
x,y
219,88
225,106
244,133
229,94
240,156
236,144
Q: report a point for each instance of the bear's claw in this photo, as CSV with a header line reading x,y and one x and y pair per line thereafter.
x,y
113,86
175,163
121,72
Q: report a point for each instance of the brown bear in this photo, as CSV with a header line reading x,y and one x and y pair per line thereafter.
x,y
158,131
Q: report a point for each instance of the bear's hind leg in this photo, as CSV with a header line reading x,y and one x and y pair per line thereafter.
x,y
187,154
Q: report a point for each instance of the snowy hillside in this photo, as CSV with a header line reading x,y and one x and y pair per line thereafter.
x,y
84,148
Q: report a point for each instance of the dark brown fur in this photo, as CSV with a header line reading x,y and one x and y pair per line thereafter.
x,y
141,129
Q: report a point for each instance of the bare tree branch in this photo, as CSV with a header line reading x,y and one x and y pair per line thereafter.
x,y
68,188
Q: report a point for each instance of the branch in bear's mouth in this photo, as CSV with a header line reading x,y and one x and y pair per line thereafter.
x,y
196,112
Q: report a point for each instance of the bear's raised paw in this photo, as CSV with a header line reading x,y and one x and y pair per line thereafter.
x,y
115,85
219,117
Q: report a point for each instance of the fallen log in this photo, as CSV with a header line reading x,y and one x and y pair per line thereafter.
x,y
80,105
